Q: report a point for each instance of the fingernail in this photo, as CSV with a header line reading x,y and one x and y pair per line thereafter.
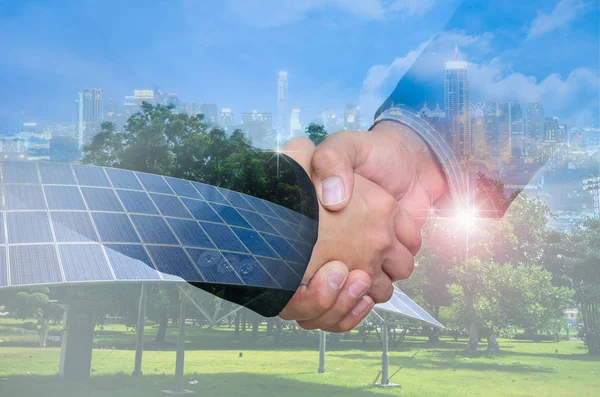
x,y
336,279
358,288
361,306
333,191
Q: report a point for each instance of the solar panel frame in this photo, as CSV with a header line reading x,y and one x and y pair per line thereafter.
x,y
56,173
24,197
90,175
131,262
183,188
137,202
60,197
101,199
20,172
96,264
28,227
70,226
34,264
123,179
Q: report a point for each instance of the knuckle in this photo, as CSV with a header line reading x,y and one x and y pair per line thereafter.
x,y
326,158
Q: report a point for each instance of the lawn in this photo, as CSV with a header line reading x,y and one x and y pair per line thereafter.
x,y
522,368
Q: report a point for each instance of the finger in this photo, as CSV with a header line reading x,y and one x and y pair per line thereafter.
x,y
358,313
408,230
301,150
355,287
333,165
399,263
319,295
382,288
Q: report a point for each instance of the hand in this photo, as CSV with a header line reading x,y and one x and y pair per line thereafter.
x,y
391,156
364,237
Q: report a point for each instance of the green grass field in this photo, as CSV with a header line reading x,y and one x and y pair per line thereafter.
x,y
212,359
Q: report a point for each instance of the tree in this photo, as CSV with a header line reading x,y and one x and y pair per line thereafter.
x,y
574,260
316,133
35,304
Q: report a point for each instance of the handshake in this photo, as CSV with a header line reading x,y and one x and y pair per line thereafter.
x,y
375,193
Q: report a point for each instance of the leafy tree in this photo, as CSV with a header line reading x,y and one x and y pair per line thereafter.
x,y
574,260
316,133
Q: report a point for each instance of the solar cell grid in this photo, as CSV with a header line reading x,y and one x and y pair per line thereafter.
x,y
28,227
138,202
131,262
73,227
154,183
64,198
223,237
3,267
214,267
210,193
88,175
257,221
236,199
101,199
24,197
190,233
19,172
183,188
153,229
174,261
230,215
84,262
123,179
170,205
201,210
114,228
249,270
34,264
56,173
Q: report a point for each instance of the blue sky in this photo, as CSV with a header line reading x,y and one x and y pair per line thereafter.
x,y
335,51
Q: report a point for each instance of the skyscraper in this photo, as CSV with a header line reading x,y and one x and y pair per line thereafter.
x,y
210,112
295,125
257,127
226,119
89,115
283,117
457,101
535,120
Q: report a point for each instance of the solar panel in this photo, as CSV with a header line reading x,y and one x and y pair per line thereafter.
x,y
72,227
254,242
138,202
153,229
213,266
230,215
19,172
114,228
401,304
34,264
183,188
123,179
100,199
210,193
130,262
201,210
3,267
170,205
223,237
24,197
64,198
154,183
75,223
249,270
56,174
174,261
91,176
190,233
28,227
95,269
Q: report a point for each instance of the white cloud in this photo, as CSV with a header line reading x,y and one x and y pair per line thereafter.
x,y
271,13
563,96
565,12
412,8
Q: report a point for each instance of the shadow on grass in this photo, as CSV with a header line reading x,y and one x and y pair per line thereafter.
x,y
459,364
238,384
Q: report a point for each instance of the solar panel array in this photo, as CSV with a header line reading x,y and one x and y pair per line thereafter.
x,y
68,223
401,304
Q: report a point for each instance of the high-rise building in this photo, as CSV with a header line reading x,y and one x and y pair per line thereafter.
x,y
283,116
80,121
257,126
226,119
352,117
535,121
551,129
295,125
91,114
210,112
479,135
457,102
